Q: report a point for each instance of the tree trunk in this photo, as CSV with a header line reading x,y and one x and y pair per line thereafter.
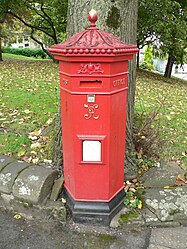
x,y
1,57
2,20
138,60
170,62
119,18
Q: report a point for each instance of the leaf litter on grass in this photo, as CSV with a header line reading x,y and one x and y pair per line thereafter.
x,y
169,96
29,98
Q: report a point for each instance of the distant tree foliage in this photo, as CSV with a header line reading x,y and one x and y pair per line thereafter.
x,y
163,23
41,17
3,14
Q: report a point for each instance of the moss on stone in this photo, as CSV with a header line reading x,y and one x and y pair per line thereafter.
x,y
127,217
105,237
174,211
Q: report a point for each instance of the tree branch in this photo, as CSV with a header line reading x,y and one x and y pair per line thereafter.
x,y
4,13
50,21
41,44
3,17
29,25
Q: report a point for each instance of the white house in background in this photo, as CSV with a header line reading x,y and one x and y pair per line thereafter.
x,y
160,66
19,40
141,54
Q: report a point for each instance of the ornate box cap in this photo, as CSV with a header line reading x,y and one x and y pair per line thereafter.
x,y
93,41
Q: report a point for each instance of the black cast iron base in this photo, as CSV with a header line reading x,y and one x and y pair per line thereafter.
x,y
94,212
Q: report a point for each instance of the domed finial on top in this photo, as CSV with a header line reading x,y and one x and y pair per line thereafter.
x,y
92,17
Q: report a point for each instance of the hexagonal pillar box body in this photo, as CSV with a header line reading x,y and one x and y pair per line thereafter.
x,y
93,86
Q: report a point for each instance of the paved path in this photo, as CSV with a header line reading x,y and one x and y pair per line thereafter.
x,y
165,195
25,234
180,76
165,238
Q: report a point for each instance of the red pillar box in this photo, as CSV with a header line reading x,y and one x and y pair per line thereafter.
x,y
94,83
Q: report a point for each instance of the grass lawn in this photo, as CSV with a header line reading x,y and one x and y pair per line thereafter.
x,y
168,99
19,57
29,97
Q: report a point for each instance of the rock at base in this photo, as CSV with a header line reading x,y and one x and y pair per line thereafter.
x,y
34,184
57,188
166,204
158,177
4,161
9,174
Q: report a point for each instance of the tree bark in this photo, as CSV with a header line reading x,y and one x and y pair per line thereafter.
x,y
2,19
1,57
169,66
119,18
138,60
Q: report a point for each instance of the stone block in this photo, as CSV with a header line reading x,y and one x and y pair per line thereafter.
x,y
55,209
165,238
153,246
9,174
7,198
34,184
57,188
158,177
5,160
167,204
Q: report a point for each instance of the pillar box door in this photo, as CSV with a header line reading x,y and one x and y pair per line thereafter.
x,y
93,66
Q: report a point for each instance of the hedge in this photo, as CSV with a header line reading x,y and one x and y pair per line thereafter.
x,y
29,52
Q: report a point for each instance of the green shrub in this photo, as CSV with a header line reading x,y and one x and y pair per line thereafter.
x,y
148,56
146,65
148,59
28,52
